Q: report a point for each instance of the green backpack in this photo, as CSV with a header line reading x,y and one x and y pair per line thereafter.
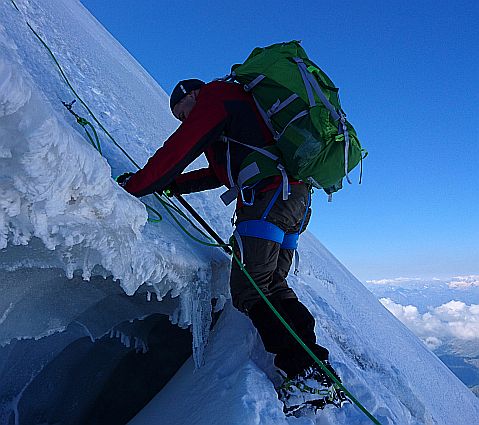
x,y
300,104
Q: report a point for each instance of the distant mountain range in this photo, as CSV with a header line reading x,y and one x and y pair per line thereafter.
x,y
425,293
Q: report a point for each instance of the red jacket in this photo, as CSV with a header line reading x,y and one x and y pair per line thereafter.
x,y
222,109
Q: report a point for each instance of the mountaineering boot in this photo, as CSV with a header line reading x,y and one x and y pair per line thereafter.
x,y
299,392
310,391
339,397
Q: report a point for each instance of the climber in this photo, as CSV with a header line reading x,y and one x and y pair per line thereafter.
x,y
221,120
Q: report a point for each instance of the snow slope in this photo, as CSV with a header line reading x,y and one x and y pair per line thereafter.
x,y
59,207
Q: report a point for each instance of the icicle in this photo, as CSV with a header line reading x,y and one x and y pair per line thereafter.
x,y
201,316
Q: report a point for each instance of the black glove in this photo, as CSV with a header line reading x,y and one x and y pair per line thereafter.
x,y
122,179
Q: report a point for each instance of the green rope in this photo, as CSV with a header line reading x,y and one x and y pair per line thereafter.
x,y
183,228
84,123
154,220
15,5
174,207
96,143
169,206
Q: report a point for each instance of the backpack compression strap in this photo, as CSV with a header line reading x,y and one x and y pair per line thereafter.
x,y
312,84
249,172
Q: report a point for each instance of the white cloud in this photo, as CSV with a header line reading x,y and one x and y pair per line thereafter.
x,y
454,319
432,342
394,281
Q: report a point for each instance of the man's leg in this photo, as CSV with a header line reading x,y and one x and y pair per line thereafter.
x,y
269,265
292,357
261,260
260,257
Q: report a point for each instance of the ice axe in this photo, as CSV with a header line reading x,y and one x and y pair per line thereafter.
x,y
203,223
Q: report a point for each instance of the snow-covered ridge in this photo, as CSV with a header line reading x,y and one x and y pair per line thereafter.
x,y
57,189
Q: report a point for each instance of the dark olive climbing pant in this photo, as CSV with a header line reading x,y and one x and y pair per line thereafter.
x,y
269,264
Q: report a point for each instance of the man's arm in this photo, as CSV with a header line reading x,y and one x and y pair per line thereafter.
x,y
203,126
195,181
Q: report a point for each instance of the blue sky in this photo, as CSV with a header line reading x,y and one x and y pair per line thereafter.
x,y
408,76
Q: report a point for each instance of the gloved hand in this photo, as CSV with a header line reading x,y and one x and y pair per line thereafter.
x,y
122,179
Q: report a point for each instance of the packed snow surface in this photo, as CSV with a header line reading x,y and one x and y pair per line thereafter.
x,y
60,207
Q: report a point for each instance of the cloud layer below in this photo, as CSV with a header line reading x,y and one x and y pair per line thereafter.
x,y
454,319
457,282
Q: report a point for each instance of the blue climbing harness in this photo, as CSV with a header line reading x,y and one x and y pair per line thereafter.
x,y
265,230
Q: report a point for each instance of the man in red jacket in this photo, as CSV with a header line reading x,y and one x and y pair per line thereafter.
x,y
212,115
